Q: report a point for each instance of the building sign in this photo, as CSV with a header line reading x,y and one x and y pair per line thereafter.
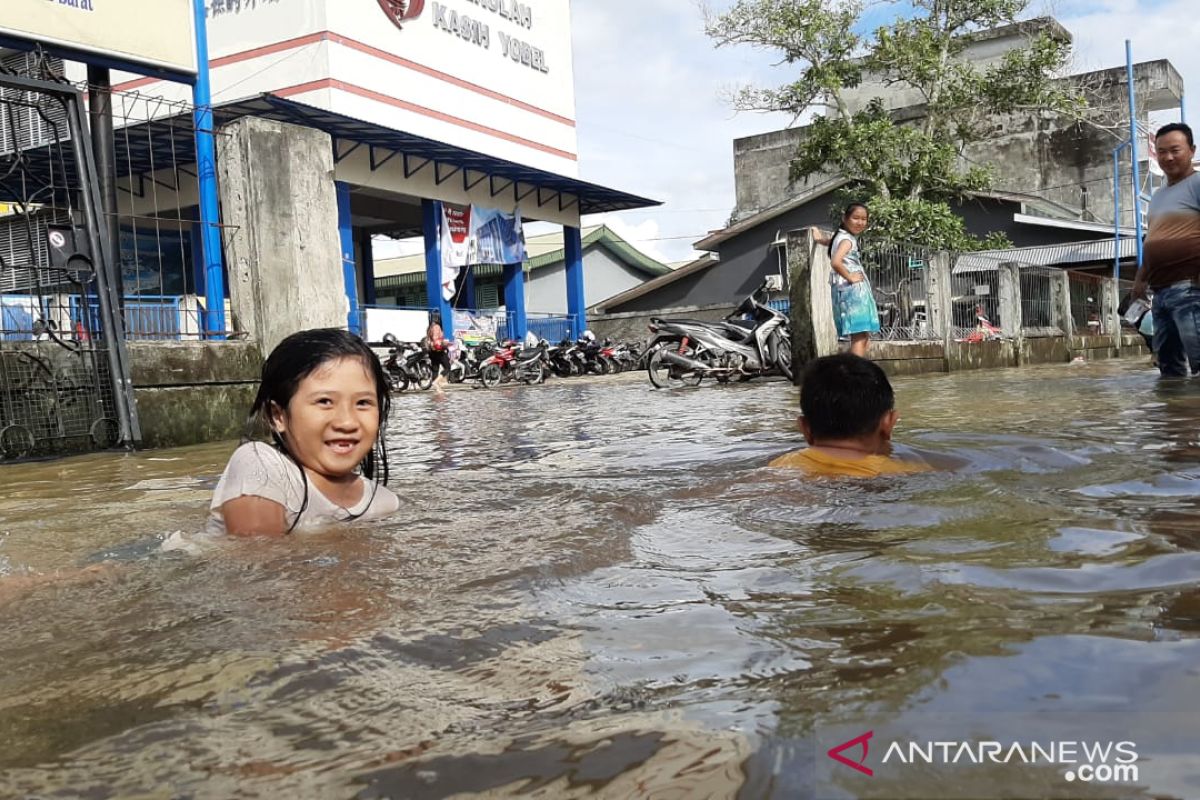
x,y
479,32
400,11
147,33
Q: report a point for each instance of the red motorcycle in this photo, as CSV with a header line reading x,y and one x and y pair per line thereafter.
x,y
510,362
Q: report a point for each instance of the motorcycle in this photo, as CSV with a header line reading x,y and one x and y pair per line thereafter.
x,y
407,364
755,340
510,362
466,366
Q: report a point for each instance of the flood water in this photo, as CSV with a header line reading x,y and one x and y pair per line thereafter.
x,y
598,589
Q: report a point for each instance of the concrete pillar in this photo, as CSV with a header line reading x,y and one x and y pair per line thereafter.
x,y
1060,298
1109,300
349,265
813,331
939,313
278,199
514,300
1009,278
431,223
576,301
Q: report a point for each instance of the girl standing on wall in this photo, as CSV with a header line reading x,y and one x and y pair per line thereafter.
x,y
854,309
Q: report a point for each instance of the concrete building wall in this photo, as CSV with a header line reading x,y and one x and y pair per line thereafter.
x,y
1067,162
282,247
604,275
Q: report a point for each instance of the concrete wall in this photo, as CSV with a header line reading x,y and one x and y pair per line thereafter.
x,y
193,392
279,209
604,275
1061,160
632,326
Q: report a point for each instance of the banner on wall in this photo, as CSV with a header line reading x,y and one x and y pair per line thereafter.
x,y
478,235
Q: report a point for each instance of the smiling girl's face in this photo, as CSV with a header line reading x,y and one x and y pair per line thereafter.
x,y
332,421
856,221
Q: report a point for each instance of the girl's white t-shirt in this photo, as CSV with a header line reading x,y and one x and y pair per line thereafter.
x,y
851,261
259,470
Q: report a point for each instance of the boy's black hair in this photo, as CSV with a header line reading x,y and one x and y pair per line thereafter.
x,y
293,360
844,396
1181,127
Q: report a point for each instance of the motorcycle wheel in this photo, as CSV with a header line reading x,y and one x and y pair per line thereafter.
x,y
783,356
606,365
489,376
668,376
424,375
456,375
397,381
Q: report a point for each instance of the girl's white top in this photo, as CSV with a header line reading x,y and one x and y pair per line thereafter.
x,y
850,261
257,469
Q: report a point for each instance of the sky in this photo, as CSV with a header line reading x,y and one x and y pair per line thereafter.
x,y
651,117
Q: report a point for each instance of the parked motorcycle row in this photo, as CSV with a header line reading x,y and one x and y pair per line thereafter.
x,y
491,363
754,341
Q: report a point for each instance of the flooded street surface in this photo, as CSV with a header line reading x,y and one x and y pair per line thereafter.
x,y
599,589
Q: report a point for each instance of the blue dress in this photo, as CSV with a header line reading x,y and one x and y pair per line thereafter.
x,y
854,309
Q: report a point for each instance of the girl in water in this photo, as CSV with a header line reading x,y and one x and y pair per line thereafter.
x,y
323,403
854,309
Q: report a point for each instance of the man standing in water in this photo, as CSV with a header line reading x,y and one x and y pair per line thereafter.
x,y
1171,261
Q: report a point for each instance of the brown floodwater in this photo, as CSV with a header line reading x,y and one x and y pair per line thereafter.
x,y
598,589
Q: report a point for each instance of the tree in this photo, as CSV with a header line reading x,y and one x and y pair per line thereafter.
x,y
909,170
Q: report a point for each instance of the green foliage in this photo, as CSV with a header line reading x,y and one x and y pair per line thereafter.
x,y
931,223
912,170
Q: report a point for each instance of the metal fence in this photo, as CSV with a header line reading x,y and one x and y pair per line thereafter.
x,y
899,281
1087,306
64,381
975,299
1039,317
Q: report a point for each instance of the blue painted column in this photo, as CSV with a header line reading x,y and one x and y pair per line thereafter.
x,y
431,217
576,300
514,300
366,249
206,174
349,268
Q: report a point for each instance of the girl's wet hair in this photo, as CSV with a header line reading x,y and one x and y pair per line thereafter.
x,y
297,357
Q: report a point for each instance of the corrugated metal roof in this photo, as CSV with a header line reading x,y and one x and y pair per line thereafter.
x,y
1056,255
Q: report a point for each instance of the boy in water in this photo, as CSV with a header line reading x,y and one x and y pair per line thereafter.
x,y
848,412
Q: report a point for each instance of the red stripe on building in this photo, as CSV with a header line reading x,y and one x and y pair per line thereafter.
x,y
329,83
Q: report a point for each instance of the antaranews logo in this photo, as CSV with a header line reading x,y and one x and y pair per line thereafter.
x,y
1090,761
400,11
864,740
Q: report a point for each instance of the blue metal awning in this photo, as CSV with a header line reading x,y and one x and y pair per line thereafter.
x,y
448,162
164,150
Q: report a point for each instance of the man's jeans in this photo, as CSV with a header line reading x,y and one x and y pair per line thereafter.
x,y
1176,311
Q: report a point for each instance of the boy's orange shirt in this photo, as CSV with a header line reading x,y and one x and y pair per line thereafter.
x,y
816,462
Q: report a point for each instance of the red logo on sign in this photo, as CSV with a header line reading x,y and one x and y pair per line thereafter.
x,y
399,11
836,753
